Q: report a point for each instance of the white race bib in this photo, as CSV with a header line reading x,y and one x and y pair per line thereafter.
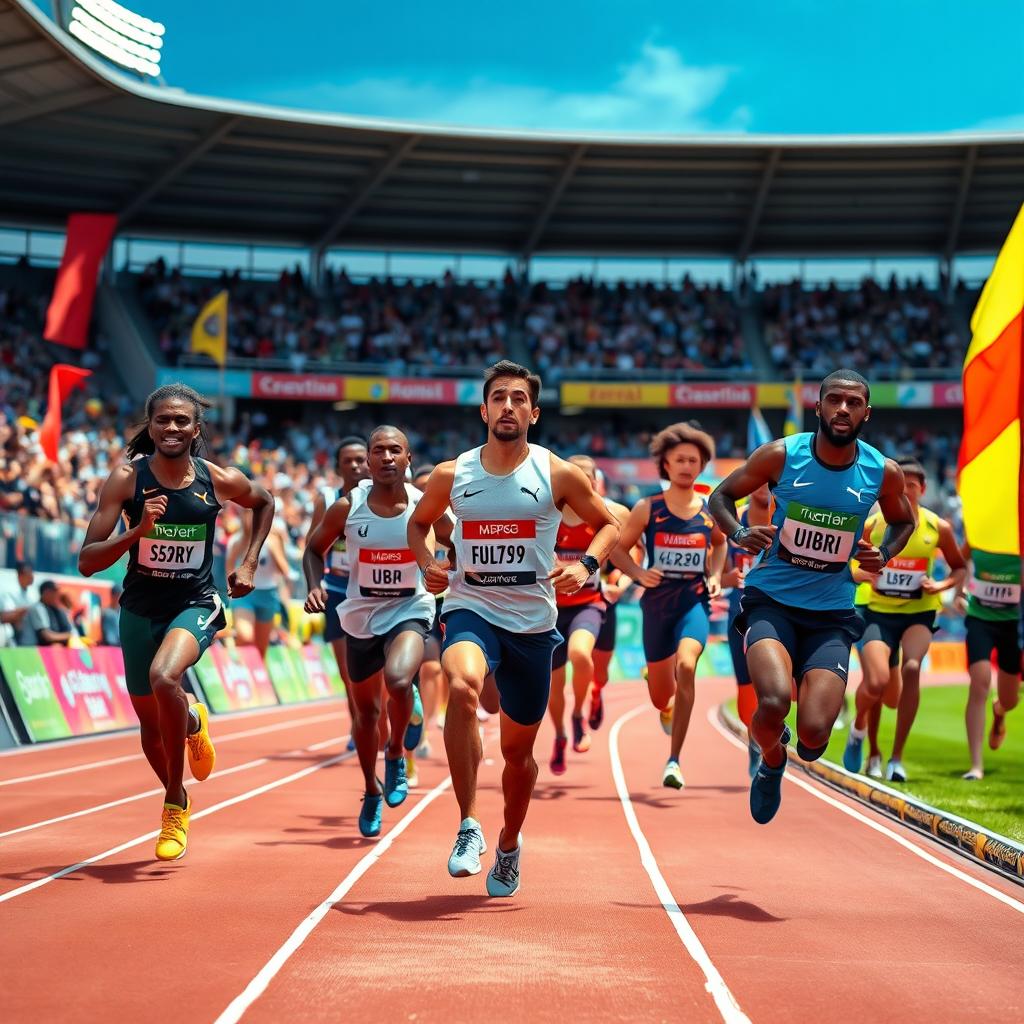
x,y
991,593
173,548
816,538
387,572
500,552
902,578
680,554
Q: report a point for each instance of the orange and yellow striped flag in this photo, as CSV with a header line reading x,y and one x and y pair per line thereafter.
x,y
990,479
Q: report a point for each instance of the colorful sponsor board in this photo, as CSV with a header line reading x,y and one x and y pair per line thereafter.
x,y
298,387
303,674
234,679
63,691
236,383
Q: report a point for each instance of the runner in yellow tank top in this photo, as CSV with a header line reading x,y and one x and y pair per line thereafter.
x,y
901,611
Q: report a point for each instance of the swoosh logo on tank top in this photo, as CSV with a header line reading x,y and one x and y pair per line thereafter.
x,y
149,490
802,483
661,519
470,494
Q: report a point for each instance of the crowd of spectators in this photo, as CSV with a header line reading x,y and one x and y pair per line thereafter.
x,y
901,331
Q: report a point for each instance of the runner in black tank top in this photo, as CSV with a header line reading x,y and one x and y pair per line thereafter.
x,y
170,608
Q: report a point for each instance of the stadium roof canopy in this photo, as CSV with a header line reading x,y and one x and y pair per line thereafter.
x,y
77,136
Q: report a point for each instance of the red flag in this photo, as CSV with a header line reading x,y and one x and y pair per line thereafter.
x,y
63,380
88,236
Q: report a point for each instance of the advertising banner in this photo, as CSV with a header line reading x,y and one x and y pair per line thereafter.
x,y
90,687
236,383
228,681
33,694
710,395
620,395
285,675
298,387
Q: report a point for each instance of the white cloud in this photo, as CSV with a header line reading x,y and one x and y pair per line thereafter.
x,y
656,92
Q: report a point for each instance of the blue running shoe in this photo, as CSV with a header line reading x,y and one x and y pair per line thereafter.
x,y
503,878
753,757
370,815
396,783
414,730
766,786
351,745
853,755
469,844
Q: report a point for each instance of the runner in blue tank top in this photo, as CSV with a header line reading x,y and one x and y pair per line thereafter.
x,y
797,614
685,555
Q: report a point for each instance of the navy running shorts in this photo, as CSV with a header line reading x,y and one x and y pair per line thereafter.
x,y
588,617
739,654
663,629
606,638
987,635
819,639
332,628
889,627
521,662
365,656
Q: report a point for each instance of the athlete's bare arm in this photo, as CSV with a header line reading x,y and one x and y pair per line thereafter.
x,y
100,550
437,496
327,531
617,582
719,549
571,486
230,484
899,516
623,555
764,466
319,508
954,559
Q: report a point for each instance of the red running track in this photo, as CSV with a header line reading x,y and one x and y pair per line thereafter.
x,y
638,903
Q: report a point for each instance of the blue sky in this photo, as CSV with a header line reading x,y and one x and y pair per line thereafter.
x,y
781,66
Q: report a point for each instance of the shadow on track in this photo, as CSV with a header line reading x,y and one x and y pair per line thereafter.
x,y
432,908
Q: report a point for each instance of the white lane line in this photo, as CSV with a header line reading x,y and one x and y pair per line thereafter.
x,y
714,983
245,734
259,984
153,792
138,840
879,827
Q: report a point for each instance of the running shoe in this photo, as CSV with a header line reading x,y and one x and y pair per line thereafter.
x,y
973,776
875,767
469,844
753,757
580,740
173,838
370,815
894,771
558,755
666,719
672,777
351,745
596,709
997,733
503,878
766,786
412,777
201,755
853,755
396,785
414,730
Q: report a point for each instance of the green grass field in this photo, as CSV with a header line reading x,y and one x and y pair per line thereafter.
x,y
936,757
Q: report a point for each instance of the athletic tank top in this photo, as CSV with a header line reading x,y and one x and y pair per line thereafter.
x,y
742,560
336,558
385,586
570,545
898,587
504,538
171,567
680,548
994,586
267,574
820,513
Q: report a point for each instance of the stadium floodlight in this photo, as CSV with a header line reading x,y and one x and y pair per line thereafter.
x,y
121,36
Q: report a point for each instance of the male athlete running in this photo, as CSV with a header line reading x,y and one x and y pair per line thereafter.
x,y
170,608
499,616
797,613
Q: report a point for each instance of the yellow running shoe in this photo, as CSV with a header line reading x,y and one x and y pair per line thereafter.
x,y
411,776
666,719
173,838
201,755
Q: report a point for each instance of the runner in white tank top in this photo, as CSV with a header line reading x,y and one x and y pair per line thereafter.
x,y
385,615
499,615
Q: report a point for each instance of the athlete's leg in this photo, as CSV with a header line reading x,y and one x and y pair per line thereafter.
x,y
687,653
980,678
178,651
894,684
402,659
244,621
261,634
771,673
821,701
366,696
338,646
518,777
152,743
916,641
465,665
874,724
581,657
556,702
874,659
661,681
602,663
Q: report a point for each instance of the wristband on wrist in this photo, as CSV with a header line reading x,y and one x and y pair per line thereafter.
x,y
737,535
884,552
590,563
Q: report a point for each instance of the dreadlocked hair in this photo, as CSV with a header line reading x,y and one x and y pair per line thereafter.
x,y
142,444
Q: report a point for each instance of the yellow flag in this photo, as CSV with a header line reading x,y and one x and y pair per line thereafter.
x,y
210,331
795,414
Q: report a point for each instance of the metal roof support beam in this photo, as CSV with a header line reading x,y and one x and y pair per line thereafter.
x,y
356,202
175,170
53,104
757,210
26,54
956,219
544,216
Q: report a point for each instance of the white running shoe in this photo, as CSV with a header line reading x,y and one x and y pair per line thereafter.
x,y
469,844
895,772
874,766
672,776
503,878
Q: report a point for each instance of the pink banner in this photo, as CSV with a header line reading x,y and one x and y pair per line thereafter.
x,y
317,683
713,396
298,387
90,688
948,394
242,687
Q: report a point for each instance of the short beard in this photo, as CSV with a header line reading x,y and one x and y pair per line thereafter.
x,y
185,450
509,433
840,440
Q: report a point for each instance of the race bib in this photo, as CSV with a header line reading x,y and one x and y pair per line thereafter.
x,y
994,593
816,538
172,548
564,557
387,572
337,558
500,552
680,554
902,578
